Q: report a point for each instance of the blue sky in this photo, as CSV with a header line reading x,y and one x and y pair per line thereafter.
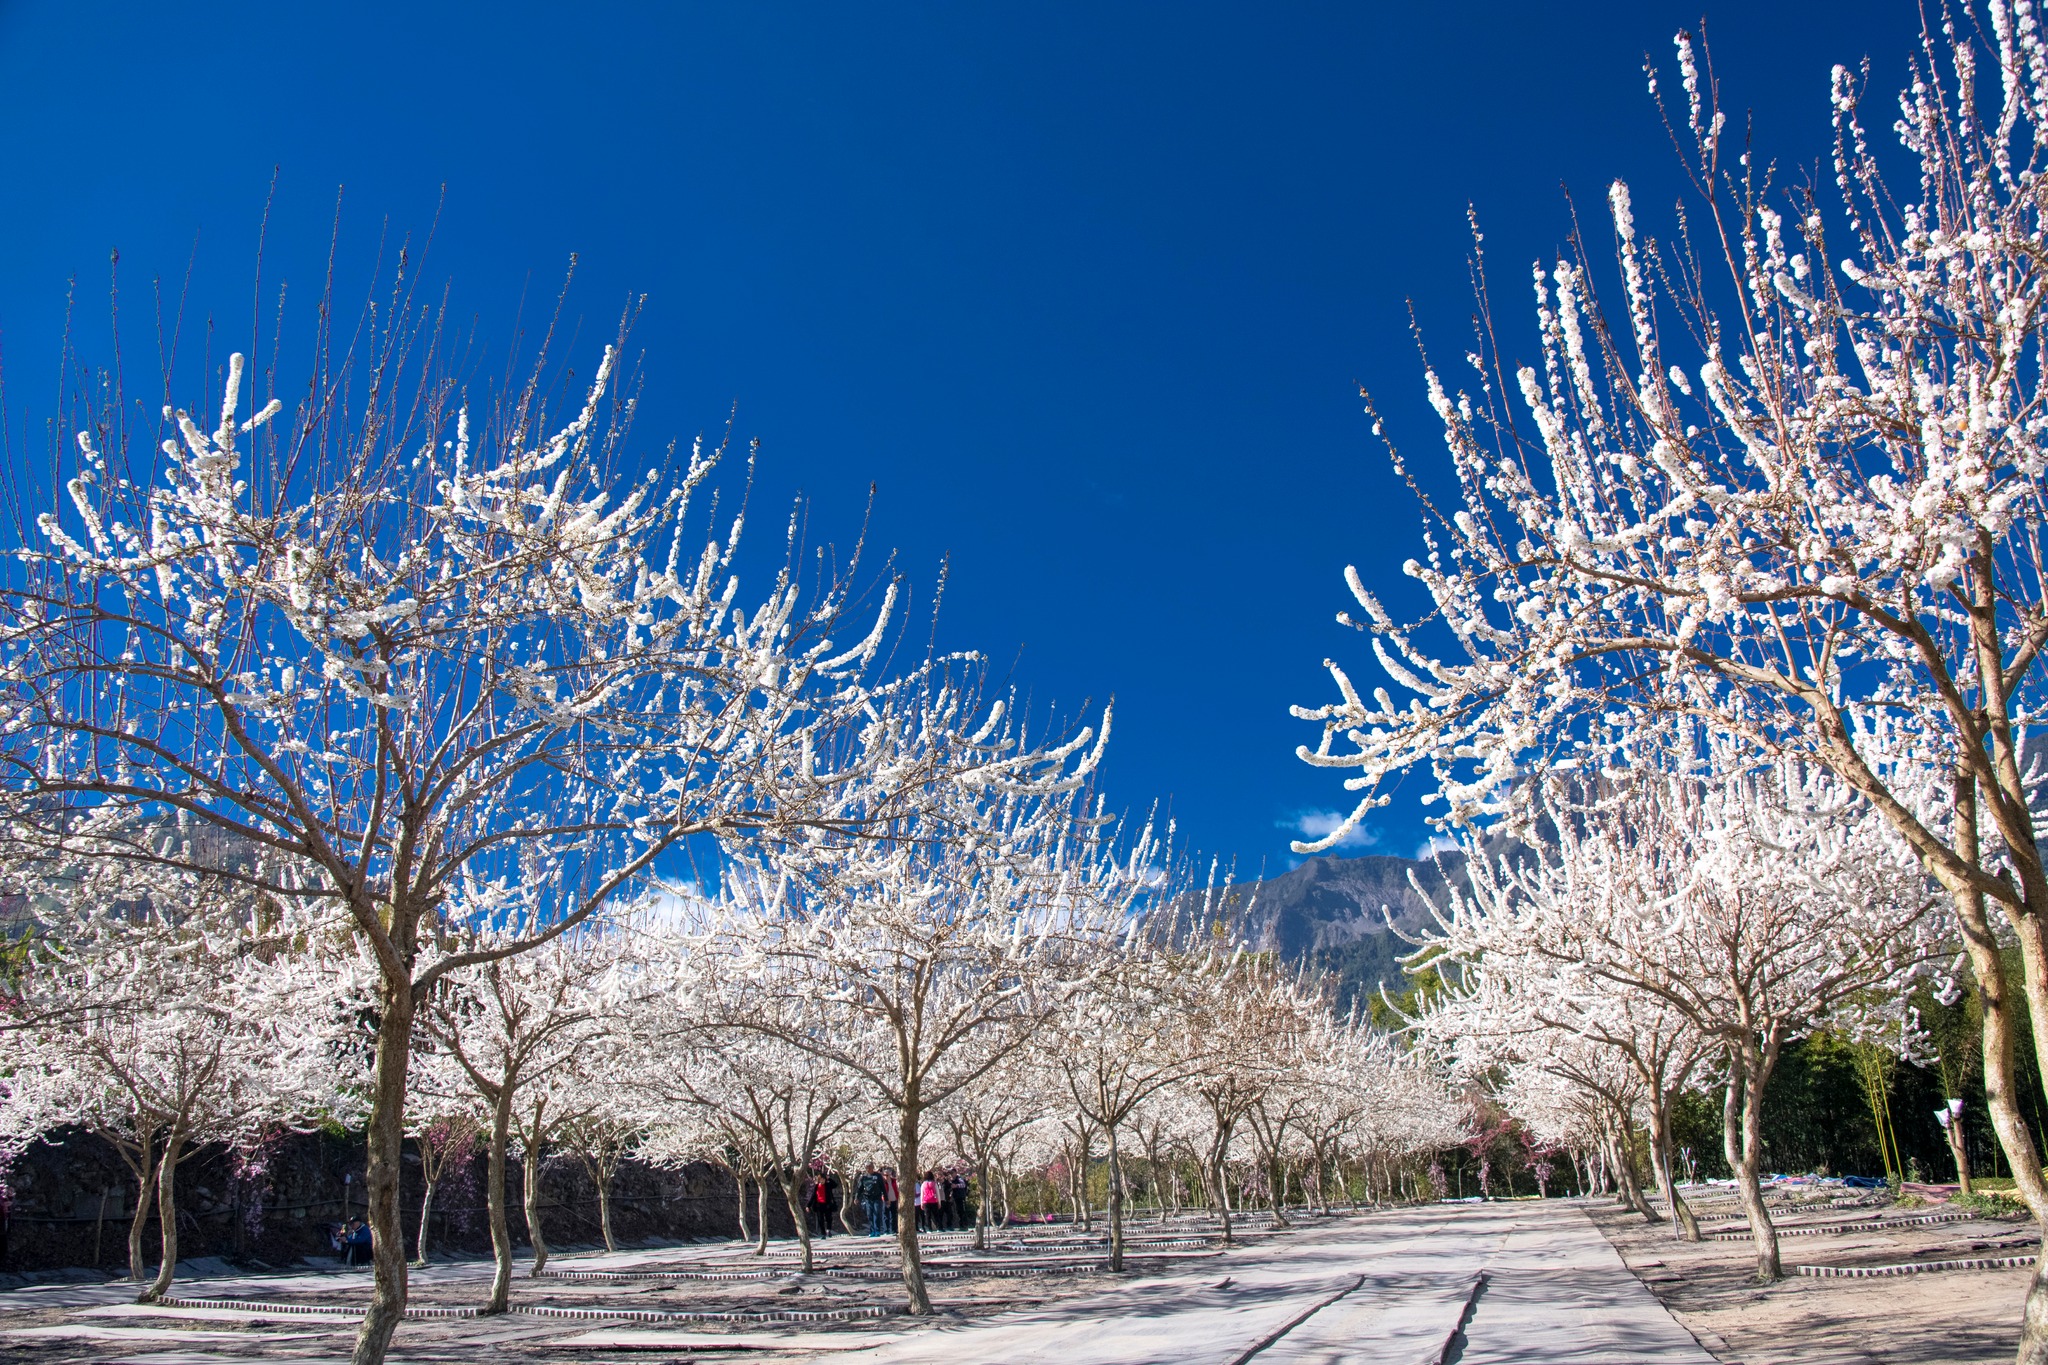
x,y
1087,291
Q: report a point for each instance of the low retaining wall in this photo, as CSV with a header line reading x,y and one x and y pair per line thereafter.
x,y
67,1202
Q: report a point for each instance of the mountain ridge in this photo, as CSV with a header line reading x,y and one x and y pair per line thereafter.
x,y
1332,913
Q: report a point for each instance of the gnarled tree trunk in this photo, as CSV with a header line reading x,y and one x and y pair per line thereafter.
x,y
907,1135
501,1227
1683,1225
792,1187
386,1136
1116,1203
166,1214
1749,1068
530,1166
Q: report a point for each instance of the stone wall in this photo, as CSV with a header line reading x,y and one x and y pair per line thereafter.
x,y
69,1201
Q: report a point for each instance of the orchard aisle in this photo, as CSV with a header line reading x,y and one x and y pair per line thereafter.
x,y
1557,1291
1479,1284
1390,1287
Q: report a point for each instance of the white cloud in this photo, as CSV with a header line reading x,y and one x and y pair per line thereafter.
x,y
1320,824
1435,844
670,905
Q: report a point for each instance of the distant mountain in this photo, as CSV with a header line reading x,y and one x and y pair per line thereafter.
x,y
1329,903
1332,913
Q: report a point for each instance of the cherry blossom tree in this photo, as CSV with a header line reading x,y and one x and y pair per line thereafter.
x,y
1748,908
1793,489
1538,1016
537,1119
1118,1040
445,1138
182,1011
1251,1017
985,1117
44,1093
922,955
506,1025
421,649
1410,1109
609,1114
788,1101
706,1135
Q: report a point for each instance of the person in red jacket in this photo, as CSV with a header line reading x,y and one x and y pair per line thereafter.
x,y
821,1204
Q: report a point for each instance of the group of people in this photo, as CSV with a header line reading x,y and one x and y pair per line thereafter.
x,y
938,1201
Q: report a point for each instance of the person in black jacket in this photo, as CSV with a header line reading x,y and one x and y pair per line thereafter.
x,y
867,1187
956,1197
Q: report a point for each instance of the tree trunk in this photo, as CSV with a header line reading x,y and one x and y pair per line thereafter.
x,y
739,1185
1960,1151
2034,960
529,1167
1994,995
1742,1141
797,1211
1683,1225
1116,1204
906,1221
386,1143
426,1212
2001,1080
145,1199
1219,1177
1276,1187
1631,1190
760,1215
981,1205
166,1215
603,1181
501,1227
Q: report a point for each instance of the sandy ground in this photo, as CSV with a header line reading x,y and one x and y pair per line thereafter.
x,y
1529,1290
69,1324
1512,1283
1964,1317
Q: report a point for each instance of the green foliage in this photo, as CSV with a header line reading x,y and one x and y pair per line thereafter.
x,y
1817,1112
1992,1203
1358,968
1954,1033
1696,1125
1409,1001
14,959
